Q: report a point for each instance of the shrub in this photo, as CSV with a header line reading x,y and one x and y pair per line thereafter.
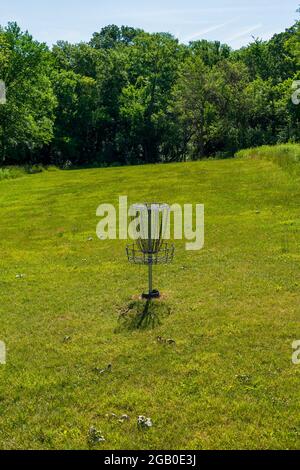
x,y
287,156
5,174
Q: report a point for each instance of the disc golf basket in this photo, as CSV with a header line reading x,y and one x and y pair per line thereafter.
x,y
150,248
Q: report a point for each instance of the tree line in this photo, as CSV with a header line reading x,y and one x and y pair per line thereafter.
x,y
130,97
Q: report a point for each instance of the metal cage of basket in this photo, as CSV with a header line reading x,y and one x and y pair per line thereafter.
x,y
150,248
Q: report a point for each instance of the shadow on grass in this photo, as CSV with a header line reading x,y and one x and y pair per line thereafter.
x,y
143,315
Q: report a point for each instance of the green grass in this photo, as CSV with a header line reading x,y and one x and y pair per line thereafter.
x,y
232,308
287,156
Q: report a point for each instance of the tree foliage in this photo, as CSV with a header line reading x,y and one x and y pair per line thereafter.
x,y
130,97
27,119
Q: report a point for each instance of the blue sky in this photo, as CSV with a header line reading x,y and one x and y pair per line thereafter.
x,y
230,21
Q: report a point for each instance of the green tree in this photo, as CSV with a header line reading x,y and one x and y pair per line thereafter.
x,y
192,107
26,120
152,67
111,36
211,52
74,133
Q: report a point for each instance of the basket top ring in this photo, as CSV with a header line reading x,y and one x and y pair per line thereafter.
x,y
153,206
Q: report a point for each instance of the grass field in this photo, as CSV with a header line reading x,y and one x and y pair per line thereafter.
x,y
232,309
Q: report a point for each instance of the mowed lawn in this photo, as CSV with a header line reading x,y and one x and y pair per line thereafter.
x,y
232,309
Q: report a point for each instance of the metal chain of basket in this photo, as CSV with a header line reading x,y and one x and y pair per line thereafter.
x,y
150,248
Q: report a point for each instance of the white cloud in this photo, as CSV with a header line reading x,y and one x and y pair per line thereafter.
x,y
245,32
210,29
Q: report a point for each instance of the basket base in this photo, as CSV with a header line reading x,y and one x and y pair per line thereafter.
x,y
152,295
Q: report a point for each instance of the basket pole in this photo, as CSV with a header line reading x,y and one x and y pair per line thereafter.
x,y
150,280
150,264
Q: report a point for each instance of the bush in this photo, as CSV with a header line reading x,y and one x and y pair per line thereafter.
x,y
33,169
13,172
287,156
5,174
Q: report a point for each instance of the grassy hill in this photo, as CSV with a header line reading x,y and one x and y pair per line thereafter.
x,y
287,156
232,309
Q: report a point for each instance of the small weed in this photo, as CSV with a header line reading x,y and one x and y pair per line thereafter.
x,y
95,436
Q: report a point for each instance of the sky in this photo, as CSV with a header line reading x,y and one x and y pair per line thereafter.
x,y
234,22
